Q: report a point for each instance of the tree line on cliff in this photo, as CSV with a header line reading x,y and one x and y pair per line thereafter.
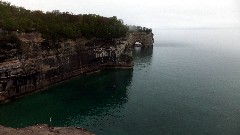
x,y
133,28
58,24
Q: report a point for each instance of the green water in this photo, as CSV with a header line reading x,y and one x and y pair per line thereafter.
x,y
189,83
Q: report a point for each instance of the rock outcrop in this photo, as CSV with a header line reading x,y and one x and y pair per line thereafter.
x,y
145,38
29,63
44,130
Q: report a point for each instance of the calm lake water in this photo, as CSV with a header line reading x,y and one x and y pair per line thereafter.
x,y
189,83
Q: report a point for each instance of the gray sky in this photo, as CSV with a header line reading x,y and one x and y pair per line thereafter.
x,y
150,13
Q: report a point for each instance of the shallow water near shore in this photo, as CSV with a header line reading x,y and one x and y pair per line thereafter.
x,y
188,83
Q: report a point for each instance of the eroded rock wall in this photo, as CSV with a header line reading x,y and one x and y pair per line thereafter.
x,y
146,39
36,63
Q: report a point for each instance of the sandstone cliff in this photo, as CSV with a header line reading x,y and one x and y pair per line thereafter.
x,y
29,63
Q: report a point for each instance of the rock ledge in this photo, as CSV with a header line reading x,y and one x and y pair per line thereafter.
x,y
44,130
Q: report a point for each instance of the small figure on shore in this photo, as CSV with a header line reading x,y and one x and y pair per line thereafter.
x,y
50,122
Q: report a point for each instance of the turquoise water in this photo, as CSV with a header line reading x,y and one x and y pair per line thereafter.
x,y
189,83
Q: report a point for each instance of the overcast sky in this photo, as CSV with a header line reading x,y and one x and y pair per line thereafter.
x,y
150,13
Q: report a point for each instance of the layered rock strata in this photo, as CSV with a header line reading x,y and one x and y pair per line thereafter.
x,y
29,63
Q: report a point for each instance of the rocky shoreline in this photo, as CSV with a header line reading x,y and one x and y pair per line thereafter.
x,y
44,130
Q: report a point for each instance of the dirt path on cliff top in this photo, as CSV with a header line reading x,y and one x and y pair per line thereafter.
x,y
44,130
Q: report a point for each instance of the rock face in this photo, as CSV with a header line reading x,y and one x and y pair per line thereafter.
x,y
44,130
146,39
29,63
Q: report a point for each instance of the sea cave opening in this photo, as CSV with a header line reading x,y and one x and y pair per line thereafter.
x,y
138,44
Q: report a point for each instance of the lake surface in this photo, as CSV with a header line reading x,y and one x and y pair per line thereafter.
x,y
189,83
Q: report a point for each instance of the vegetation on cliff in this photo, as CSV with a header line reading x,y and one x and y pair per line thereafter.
x,y
133,28
58,24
